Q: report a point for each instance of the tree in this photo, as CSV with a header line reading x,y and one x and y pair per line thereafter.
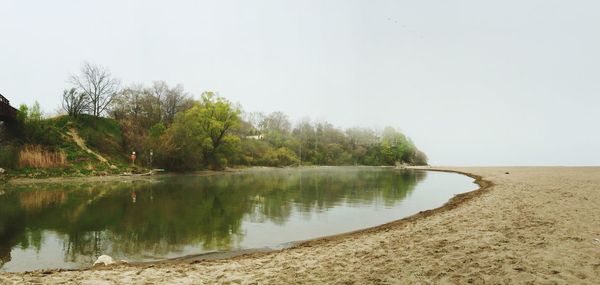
x,y
22,114
276,129
28,114
175,100
35,130
218,119
98,86
35,112
203,135
74,103
361,142
276,121
150,105
127,104
255,119
420,158
305,134
182,144
158,92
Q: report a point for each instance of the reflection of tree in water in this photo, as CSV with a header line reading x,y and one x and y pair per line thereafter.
x,y
84,246
311,190
11,226
185,210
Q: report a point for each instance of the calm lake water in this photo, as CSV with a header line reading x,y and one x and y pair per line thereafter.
x,y
70,225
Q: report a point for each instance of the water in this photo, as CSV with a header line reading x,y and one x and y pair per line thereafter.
x,y
70,225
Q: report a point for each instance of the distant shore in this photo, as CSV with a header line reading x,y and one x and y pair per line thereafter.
x,y
16,180
108,178
524,225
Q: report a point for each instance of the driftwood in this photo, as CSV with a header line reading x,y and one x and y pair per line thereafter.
x,y
151,172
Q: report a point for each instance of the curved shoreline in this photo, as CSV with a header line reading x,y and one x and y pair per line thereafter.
x,y
255,252
252,252
539,225
450,204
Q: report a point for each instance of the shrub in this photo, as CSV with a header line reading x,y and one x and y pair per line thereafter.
x,y
8,156
279,157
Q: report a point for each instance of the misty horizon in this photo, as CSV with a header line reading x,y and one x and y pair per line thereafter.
x,y
470,83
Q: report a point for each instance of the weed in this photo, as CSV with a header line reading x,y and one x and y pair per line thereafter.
x,y
36,156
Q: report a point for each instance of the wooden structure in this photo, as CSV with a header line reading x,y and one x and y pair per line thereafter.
x,y
7,112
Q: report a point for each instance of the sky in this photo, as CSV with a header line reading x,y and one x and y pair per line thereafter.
x,y
470,82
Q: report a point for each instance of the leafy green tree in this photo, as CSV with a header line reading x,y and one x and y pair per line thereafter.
x,y
35,130
218,119
35,112
203,135
23,114
157,130
183,142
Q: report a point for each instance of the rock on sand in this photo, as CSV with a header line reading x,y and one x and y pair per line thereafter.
x,y
104,260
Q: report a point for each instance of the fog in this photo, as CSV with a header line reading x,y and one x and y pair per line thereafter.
x,y
471,82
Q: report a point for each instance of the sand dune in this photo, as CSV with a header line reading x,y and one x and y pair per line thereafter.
x,y
534,225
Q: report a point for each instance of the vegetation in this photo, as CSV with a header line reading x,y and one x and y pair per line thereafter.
x,y
168,129
96,87
45,147
37,157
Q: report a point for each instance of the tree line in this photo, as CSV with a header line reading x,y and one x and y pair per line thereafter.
x,y
168,128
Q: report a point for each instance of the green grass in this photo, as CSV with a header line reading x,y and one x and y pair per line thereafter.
x,y
102,135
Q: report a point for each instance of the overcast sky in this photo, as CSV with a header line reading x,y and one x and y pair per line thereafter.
x,y
471,82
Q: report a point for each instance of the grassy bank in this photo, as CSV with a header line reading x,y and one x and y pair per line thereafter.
x,y
63,146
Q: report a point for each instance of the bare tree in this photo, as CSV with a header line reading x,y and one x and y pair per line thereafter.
x,y
159,91
276,121
142,106
74,103
255,119
98,86
128,103
174,101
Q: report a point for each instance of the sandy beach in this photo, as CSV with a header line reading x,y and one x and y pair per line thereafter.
x,y
526,225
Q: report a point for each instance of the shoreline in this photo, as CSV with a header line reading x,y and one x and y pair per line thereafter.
x,y
17,180
254,252
450,204
111,178
523,224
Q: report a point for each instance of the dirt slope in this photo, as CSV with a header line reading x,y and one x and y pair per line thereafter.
x,y
81,143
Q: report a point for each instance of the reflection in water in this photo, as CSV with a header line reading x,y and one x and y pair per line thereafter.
x,y
142,220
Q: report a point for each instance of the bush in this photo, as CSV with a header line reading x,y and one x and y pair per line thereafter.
x,y
279,157
41,132
8,156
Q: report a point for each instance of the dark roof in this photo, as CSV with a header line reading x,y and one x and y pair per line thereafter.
x,y
4,100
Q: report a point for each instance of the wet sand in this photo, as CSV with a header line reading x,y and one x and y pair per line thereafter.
x,y
537,225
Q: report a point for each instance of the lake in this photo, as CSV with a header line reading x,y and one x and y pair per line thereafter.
x,y
69,225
